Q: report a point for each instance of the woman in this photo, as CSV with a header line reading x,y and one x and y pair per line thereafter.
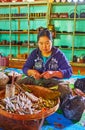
x,y
47,62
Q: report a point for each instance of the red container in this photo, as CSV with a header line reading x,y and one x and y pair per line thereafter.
x,y
11,1
17,1
4,61
5,1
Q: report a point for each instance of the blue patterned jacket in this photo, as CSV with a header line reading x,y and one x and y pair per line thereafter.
x,y
57,61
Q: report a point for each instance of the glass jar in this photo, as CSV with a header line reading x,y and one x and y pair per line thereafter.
x,y
10,90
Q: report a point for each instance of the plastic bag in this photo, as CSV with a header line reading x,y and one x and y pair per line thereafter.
x,y
73,107
3,79
80,84
64,89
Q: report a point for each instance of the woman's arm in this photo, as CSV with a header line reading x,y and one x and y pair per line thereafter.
x,y
64,69
51,74
29,63
28,67
33,73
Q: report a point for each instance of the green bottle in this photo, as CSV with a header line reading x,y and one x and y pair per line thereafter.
x,y
79,72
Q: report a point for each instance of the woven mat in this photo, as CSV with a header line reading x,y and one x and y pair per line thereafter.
x,y
57,121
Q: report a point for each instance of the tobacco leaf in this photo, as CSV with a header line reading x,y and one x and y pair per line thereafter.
x,y
43,92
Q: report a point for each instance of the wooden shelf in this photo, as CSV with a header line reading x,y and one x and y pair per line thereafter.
x,y
77,64
66,48
71,33
64,3
14,32
19,32
44,2
64,33
33,32
19,17
4,32
16,59
32,18
67,18
80,34
78,49
33,46
16,45
30,14
13,4
78,67
16,63
80,18
62,18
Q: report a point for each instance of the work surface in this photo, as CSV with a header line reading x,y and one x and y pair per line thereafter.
x,y
57,121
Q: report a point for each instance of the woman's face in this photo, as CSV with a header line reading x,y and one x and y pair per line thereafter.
x,y
45,44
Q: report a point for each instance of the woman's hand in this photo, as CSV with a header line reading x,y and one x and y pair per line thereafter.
x,y
34,73
51,74
48,74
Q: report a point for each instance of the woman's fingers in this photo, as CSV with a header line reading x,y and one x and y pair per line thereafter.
x,y
46,75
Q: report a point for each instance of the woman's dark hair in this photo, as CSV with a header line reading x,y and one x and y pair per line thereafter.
x,y
45,32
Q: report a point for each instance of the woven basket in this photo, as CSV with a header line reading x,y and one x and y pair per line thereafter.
x,y
11,121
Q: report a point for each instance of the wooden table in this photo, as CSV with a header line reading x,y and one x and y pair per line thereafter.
x,y
78,68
